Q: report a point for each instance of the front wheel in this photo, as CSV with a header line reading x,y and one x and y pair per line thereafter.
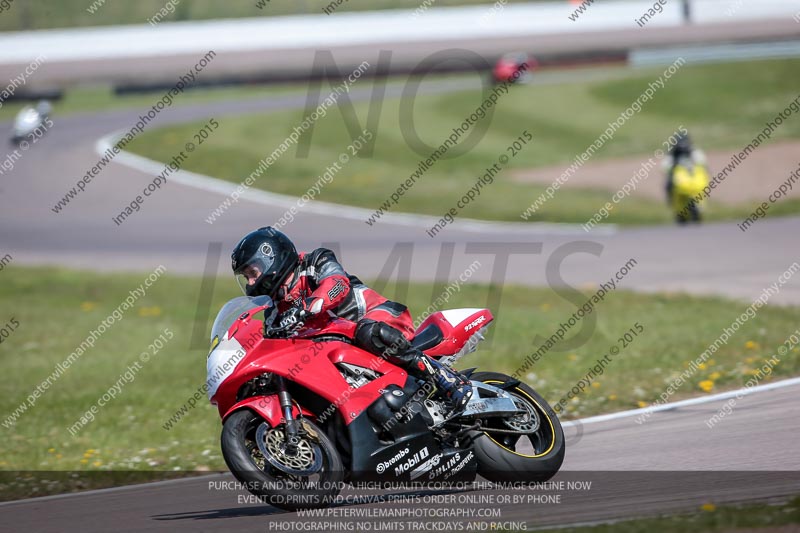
x,y
533,454
307,476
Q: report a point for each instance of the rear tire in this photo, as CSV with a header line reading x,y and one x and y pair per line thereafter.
x,y
694,212
250,467
499,458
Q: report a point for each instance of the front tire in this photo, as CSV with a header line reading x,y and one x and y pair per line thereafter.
x,y
261,477
509,458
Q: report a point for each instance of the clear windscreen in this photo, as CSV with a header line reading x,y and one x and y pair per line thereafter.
x,y
233,310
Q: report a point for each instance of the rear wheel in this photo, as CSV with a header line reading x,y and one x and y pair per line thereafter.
x,y
534,454
306,477
694,212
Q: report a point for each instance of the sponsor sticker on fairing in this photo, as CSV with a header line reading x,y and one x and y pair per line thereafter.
x,y
475,322
381,468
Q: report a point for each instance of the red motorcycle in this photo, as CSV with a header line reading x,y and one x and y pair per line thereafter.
x,y
516,67
305,414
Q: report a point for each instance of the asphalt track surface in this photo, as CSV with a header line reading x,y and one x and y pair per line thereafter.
x,y
671,462
170,230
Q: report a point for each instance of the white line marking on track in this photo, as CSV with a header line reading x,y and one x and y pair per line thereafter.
x,y
685,403
207,183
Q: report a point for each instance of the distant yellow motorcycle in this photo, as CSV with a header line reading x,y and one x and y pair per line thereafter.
x,y
688,181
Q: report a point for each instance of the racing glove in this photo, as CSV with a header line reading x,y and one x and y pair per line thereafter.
x,y
291,320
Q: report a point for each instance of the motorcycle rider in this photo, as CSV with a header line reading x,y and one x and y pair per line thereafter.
x,y
682,155
44,109
306,285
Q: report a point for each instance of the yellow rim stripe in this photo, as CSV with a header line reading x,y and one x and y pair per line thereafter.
x,y
543,411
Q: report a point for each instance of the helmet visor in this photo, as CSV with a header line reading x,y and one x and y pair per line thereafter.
x,y
250,276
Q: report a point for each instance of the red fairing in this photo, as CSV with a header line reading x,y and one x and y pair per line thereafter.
x,y
457,326
329,326
505,68
353,401
310,360
309,363
267,407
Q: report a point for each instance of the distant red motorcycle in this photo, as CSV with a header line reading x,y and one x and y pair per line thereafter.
x,y
515,67
305,414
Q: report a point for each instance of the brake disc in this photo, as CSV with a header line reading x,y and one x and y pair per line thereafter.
x,y
305,461
527,422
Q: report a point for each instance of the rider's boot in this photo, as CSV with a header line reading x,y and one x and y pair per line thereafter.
x,y
451,384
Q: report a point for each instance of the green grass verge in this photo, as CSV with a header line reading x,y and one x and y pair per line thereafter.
x,y
708,519
127,433
724,106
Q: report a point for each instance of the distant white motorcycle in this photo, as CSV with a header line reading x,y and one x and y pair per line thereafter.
x,y
31,122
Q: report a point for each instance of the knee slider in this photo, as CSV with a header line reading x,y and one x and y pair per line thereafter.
x,y
366,336
392,338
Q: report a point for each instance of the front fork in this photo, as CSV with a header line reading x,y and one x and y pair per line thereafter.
x,y
292,426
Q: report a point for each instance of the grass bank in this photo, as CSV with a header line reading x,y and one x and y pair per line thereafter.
x,y
128,434
723,106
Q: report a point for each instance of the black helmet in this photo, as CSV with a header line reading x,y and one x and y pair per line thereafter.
x,y
683,145
262,260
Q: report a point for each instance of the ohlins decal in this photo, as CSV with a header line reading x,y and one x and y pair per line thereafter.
x,y
460,465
